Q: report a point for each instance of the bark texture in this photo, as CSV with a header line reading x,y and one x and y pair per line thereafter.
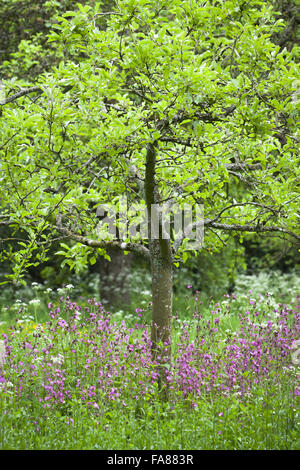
x,y
161,267
162,297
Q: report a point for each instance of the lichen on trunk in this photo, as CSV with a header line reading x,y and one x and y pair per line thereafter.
x,y
162,293
161,267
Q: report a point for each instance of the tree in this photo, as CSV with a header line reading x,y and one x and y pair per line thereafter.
x,y
115,279
181,102
24,48
25,25
289,10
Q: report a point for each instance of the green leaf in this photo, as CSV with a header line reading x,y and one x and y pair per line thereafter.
x,y
93,260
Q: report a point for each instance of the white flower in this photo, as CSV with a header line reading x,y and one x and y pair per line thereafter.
x,y
18,305
69,286
34,301
35,286
48,290
59,359
146,292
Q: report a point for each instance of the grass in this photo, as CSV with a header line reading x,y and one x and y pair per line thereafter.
x,y
77,377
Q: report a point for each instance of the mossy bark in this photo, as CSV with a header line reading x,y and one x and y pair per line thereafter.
x,y
162,275
162,293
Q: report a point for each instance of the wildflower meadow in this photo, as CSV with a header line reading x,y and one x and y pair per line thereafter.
x,y
84,378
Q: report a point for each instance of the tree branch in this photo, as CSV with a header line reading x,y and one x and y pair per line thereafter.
x,y
106,244
241,204
6,222
243,166
20,94
259,228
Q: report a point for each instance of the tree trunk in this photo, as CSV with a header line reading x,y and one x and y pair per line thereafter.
x,y
162,294
162,274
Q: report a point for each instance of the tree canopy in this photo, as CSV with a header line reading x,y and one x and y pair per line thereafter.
x,y
184,102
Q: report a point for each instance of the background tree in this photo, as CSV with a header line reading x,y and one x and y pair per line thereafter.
x,y
23,36
289,11
170,101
